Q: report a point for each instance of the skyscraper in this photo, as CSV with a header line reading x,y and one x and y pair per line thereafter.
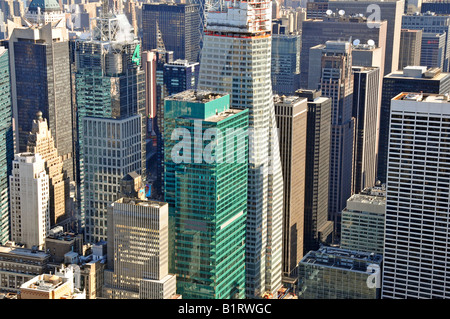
x,y
390,11
6,143
432,53
206,189
179,27
410,48
317,227
335,79
40,77
110,97
30,200
417,192
41,141
366,102
180,75
414,79
285,60
236,59
342,28
141,272
291,115
430,22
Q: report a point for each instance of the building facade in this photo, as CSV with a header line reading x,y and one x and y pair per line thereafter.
x,y
30,200
342,28
6,144
206,189
179,26
236,59
110,91
415,79
335,273
417,192
317,227
363,221
138,251
40,77
40,141
291,114
335,78
410,48
366,102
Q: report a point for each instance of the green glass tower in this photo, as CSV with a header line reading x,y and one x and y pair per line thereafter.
x,y
6,143
205,180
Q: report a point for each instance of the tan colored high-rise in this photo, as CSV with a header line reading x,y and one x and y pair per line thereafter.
x,y
410,48
291,114
41,141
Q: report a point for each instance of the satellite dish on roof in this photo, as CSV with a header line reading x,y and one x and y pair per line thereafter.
x,y
356,42
341,12
371,42
329,12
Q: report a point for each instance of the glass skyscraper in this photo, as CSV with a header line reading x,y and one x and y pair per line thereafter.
x,y
179,27
236,59
206,189
6,143
110,87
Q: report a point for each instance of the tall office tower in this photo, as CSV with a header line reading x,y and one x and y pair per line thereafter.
x,y
206,189
410,48
138,250
178,23
162,58
363,221
432,53
343,28
149,66
115,150
430,22
41,142
391,11
180,75
334,273
6,143
366,103
40,77
415,79
371,56
417,193
110,93
29,200
285,60
317,228
291,115
335,78
236,59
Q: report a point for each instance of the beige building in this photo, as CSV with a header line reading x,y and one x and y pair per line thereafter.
x,y
138,248
18,265
41,142
410,48
29,200
291,116
60,285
